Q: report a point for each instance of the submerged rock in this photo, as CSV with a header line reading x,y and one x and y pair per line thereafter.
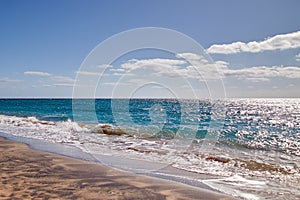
x,y
258,166
109,130
218,159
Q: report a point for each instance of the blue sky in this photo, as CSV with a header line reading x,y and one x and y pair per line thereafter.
x,y
43,43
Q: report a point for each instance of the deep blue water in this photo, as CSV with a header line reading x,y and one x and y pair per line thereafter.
x,y
43,109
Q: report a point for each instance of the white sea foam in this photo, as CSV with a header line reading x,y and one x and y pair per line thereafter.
x,y
232,186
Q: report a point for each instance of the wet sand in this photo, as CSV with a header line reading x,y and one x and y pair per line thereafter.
x,y
31,174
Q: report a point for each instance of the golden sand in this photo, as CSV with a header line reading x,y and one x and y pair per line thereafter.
x,y
31,174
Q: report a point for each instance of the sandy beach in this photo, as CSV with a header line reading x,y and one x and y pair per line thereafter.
x,y
26,174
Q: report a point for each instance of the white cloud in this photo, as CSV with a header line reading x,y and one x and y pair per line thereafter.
x,y
298,57
64,79
8,80
116,84
277,42
191,57
197,67
256,79
263,73
194,66
204,70
104,66
157,87
138,81
56,85
118,74
110,83
45,85
117,70
35,73
63,85
88,73
48,76
155,63
95,70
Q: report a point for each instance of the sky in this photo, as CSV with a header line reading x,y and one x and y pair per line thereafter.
x,y
250,48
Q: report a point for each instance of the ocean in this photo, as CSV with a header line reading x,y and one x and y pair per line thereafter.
x,y
247,148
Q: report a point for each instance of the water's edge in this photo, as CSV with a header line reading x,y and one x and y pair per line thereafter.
x,y
167,173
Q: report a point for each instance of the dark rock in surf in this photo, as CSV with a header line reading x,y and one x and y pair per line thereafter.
x,y
109,130
218,159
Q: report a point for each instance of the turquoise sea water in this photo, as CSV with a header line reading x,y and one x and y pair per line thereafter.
x,y
250,148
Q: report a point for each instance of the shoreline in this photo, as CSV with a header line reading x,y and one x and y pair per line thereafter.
x,y
31,173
